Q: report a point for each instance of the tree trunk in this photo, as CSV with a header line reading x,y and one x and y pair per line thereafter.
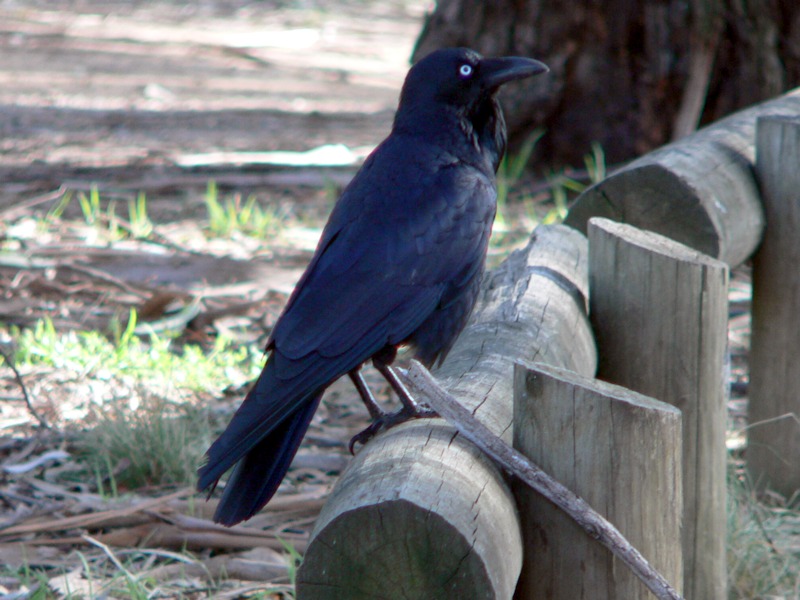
x,y
629,75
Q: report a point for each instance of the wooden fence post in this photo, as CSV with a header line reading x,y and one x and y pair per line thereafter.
x,y
421,512
621,452
659,311
773,449
699,190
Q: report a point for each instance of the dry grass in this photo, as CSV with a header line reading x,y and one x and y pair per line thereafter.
x,y
763,545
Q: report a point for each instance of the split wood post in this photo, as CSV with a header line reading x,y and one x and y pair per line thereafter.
x,y
773,449
421,512
621,452
700,190
659,311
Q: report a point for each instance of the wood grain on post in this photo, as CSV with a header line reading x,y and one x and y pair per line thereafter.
x,y
773,450
621,452
421,512
700,190
659,311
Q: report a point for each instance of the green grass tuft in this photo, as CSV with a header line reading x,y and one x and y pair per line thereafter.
x,y
153,442
139,222
510,171
157,360
145,431
233,215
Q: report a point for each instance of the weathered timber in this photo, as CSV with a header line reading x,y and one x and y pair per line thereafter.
x,y
659,311
517,464
700,190
421,512
773,450
618,450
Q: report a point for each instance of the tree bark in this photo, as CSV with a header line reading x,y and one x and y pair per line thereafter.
x,y
629,75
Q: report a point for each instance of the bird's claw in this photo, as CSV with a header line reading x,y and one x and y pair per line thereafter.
x,y
362,437
389,420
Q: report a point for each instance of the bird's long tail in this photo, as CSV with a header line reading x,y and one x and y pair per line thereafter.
x,y
256,477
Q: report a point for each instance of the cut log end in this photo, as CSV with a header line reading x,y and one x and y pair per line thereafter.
x,y
700,190
375,539
653,198
357,556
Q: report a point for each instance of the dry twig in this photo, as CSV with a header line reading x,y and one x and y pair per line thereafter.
x,y
42,421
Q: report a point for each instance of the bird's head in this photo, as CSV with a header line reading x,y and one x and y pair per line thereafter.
x,y
462,83
462,77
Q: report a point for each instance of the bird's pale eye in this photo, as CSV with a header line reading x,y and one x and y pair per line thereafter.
x,y
465,71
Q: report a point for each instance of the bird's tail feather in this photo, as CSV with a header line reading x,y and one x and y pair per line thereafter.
x,y
269,406
259,473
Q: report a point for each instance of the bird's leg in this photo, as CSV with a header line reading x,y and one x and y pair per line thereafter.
x,y
375,411
411,408
381,419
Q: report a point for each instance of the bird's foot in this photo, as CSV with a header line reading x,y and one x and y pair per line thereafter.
x,y
388,420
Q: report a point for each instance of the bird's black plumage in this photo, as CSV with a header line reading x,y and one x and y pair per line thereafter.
x,y
399,262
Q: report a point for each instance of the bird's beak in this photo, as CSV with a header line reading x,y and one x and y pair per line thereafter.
x,y
497,71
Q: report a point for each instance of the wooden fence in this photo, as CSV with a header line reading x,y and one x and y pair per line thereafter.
x,y
421,513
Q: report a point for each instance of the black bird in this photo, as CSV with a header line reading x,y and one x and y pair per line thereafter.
x,y
399,263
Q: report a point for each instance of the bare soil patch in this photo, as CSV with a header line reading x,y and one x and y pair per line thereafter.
x,y
163,97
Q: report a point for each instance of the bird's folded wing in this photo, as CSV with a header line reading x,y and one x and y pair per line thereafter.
x,y
375,281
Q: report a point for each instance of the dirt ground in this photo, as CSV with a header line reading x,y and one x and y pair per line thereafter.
x,y
154,94
161,97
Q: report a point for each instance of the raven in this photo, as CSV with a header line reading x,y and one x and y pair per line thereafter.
x,y
398,263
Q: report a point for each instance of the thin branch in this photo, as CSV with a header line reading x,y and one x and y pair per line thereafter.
x,y
19,209
105,277
701,62
42,421
108,552
154,237
517,464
